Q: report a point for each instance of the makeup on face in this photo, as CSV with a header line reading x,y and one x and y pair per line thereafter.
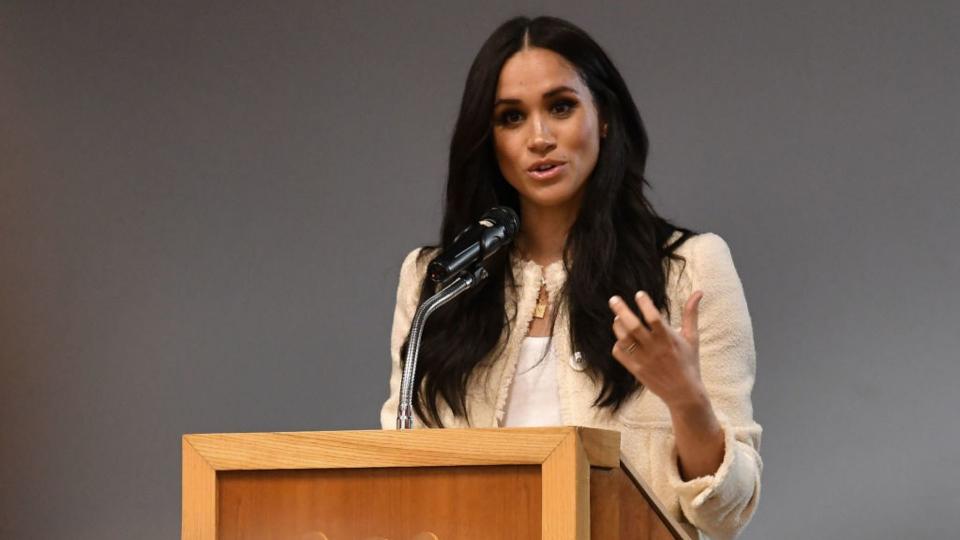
x,y
545,128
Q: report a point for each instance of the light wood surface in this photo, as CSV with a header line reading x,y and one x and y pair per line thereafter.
x,y
416,448
566,500
199,487
537,482
601,446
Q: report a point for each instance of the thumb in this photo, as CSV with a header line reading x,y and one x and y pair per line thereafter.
x,y
689,328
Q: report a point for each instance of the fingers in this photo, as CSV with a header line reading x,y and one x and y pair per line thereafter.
x,y
625,340
625,347
651,314
632,323
629,321
691,314
619,330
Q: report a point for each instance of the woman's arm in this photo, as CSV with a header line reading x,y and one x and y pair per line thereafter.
x,y
667,363
704,373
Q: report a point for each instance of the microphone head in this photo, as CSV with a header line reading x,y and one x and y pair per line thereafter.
x,y
503,216
495,229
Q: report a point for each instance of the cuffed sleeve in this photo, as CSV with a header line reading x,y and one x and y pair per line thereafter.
x,y
408,295
721,504
716,504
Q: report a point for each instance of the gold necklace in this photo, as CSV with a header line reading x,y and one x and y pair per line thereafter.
x,y
542,301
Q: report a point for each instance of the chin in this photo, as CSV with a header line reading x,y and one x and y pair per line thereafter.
x,y
546,197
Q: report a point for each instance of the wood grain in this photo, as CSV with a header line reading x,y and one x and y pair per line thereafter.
x,y
536,481
637,502
566,492
604,504
620,512
601,446
416,448
397,504
199,495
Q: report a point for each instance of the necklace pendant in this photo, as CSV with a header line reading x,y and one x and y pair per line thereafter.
x,y
540,310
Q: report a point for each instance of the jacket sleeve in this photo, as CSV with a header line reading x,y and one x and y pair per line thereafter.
x,y
721,504
408,295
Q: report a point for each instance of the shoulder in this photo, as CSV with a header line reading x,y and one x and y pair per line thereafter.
x,y
704,247
416,261
707,257
409,267
413,269
711,270
703,262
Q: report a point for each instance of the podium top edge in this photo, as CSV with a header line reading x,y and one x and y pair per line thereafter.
x,y
392,448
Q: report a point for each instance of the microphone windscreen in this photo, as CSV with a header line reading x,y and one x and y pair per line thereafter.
x,y
504,216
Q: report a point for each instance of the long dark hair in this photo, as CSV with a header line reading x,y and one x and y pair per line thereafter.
x,y
617,245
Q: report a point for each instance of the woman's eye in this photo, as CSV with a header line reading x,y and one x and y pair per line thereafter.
x,y
510,118
563,108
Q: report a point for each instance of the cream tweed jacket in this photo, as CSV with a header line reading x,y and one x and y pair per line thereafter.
x,y
716,506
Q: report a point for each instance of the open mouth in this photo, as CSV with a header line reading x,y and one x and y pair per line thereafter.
x,y
546,170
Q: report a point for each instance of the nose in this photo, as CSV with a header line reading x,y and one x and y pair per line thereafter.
x,y
541,140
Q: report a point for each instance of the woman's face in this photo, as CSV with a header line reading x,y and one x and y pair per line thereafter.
x,y
545,128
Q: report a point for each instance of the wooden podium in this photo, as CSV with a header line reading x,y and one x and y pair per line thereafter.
x,y
428,484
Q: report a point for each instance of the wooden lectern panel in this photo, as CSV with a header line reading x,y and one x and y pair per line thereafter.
x,y
562,483
465,503
618,511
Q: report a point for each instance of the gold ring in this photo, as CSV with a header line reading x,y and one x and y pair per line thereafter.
x,y
632,347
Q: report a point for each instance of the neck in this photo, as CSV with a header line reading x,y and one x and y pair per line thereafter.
x,y
543,232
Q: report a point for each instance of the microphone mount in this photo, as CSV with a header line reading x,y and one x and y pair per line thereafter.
x,y
462,282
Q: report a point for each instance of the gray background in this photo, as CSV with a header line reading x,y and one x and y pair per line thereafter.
x,y
203,208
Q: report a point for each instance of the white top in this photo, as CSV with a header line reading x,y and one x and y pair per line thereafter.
x,y
534,398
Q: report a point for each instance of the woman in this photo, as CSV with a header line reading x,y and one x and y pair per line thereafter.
x,y
603,314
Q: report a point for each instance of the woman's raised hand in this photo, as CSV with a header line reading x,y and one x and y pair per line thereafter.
x,y
664,360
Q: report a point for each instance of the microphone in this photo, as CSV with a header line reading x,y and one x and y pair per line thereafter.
x,y
476,243
457,269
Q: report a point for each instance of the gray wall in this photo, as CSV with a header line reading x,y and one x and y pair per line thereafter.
x,y
203,208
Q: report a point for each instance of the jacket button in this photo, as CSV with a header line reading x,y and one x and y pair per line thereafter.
x,y
577,363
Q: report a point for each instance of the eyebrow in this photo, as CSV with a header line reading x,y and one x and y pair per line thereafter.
x,y
548,94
